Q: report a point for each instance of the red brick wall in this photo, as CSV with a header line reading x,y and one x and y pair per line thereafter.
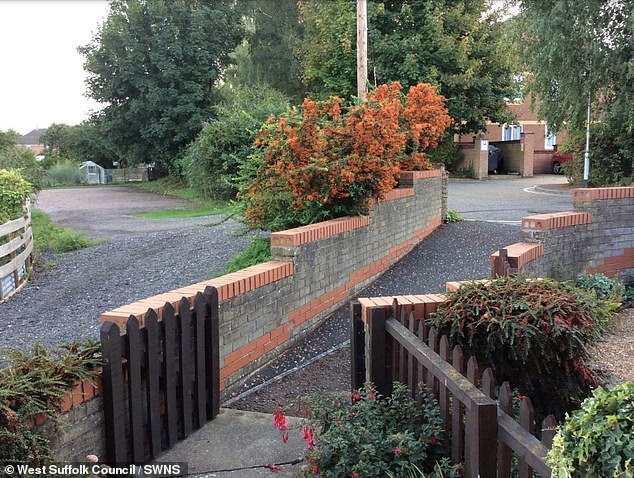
x,y
597,237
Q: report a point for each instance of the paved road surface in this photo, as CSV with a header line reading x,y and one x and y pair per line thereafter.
x,y
507,198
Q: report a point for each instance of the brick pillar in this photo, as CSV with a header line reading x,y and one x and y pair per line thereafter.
x,y
528,147
481,161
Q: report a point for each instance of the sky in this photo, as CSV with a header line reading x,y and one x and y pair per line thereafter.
x,y
42,76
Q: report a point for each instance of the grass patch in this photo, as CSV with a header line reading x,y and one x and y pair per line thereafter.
x,y
49,237
175,187
213,208
169,186
258,252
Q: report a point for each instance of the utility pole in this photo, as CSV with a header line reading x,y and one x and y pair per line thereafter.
x,y
362,49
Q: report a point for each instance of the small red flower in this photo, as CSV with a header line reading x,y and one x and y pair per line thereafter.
x,y
281,423
397,451
315,468
355,475
435,441
356,396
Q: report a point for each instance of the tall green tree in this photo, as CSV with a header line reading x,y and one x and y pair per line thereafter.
x,y
582,52
8,138
82,142
449,43
270,54
154,64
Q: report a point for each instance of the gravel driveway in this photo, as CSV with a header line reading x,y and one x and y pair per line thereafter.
x,y
137,258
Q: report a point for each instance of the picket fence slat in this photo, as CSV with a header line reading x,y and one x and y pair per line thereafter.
x,y
200,307
170,345
457,411
113,389
153,381
185,384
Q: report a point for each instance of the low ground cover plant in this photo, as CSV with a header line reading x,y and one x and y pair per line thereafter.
x,y
324,160
597,441
536,334
605,287
370,436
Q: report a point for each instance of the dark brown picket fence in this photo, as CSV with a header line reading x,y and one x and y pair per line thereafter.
x,y
395,344
160,380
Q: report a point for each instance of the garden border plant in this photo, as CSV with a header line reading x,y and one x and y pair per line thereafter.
x,y
367,435
32,384
535,334
598,440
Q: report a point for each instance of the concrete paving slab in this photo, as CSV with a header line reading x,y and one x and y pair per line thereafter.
x,y
238,444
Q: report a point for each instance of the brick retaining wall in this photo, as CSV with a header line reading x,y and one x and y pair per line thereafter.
x,y
314,269
597,237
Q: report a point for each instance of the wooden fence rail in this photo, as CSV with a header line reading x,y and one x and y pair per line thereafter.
x,y
479,431
161,381
16,253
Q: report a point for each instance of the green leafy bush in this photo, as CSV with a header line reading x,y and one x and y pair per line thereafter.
x,y
610,162
533,333
598,440
211,162
14,191
371,436
603,286
447,153
23,160
259,251
63,173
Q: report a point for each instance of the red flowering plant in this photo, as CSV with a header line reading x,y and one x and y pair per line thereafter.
x,y
323,161
535,334
371,436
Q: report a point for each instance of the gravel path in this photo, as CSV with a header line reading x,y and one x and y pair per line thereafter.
x,y
144,257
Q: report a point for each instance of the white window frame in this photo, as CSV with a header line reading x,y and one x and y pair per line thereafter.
x,y
550,139
511,132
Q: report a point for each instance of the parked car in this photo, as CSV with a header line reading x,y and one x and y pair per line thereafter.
x,y
558,160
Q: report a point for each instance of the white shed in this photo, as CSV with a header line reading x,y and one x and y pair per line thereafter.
x,y
92,173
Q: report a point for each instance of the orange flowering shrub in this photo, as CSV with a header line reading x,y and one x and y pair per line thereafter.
x,y
321,161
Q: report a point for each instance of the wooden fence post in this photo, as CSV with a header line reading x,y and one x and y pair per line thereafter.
x,y
380,363
357,346
213,353
481,438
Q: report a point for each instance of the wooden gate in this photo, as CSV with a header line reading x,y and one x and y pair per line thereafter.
x,y
161,380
